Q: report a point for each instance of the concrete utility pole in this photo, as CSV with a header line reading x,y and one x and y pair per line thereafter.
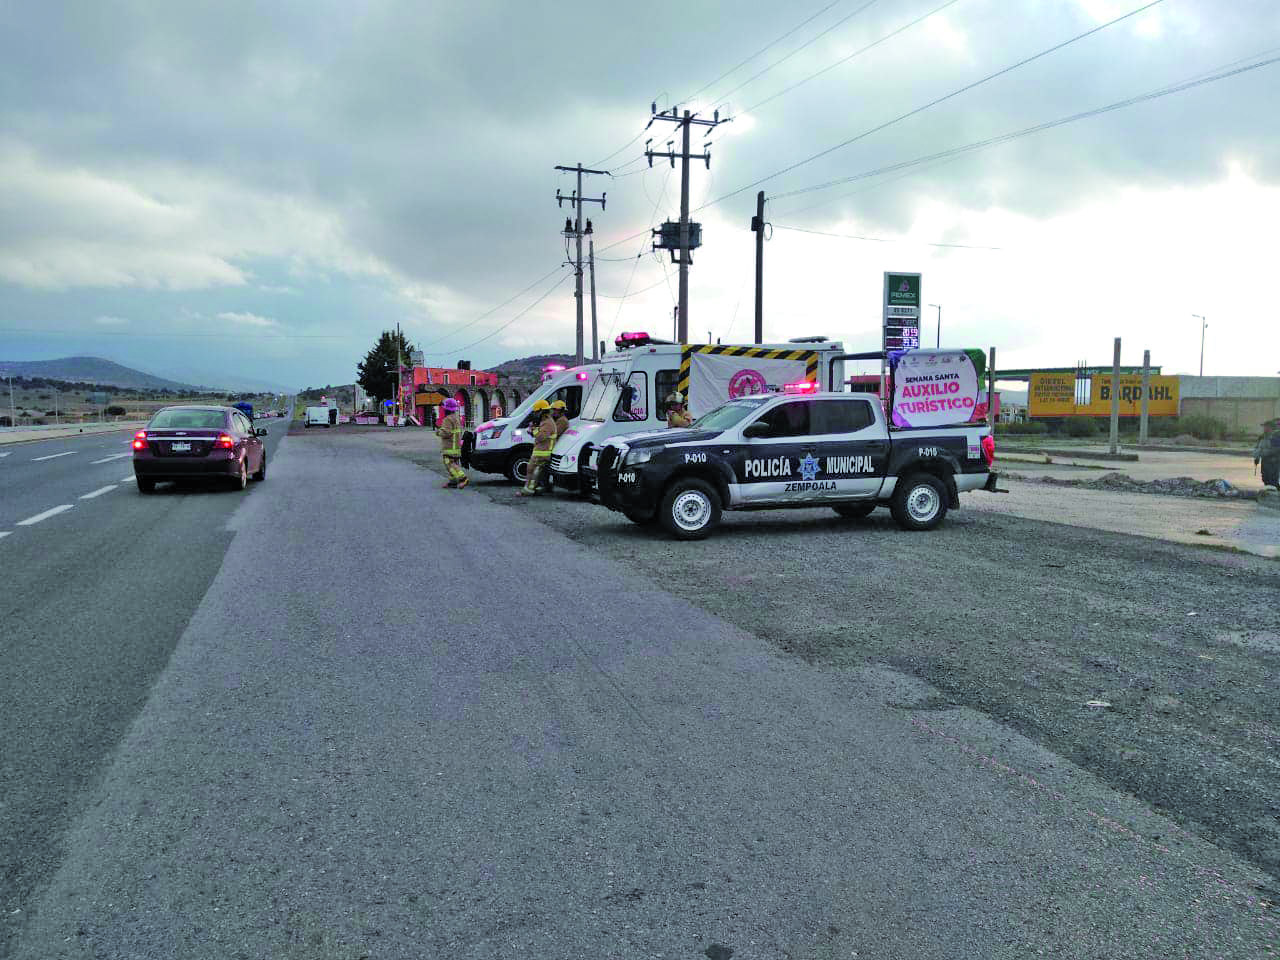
x,y
576,201
991,390
1146,395
1115,400
689,235
397,406
1204,324
757,227
938,307
591,259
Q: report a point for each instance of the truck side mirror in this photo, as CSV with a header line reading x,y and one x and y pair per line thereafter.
x,y
756,431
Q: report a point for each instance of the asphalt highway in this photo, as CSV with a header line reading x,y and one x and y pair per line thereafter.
x,y
99,584
413,722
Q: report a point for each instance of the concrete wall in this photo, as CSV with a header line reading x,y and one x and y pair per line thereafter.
x,y
1242,403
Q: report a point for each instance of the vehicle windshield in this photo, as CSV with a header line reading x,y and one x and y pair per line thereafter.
x,y
727,414
193,419
602,397
543,392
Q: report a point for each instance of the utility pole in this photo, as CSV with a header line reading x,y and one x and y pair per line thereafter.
x,y
685,236
938,342
397,406
591,260
757,227
575,230
1146,393
1115,400
1203,326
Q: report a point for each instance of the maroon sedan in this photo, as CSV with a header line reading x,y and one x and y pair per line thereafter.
x,y
195,443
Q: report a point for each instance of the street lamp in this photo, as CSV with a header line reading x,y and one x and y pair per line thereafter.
x,y
938,307
1203,326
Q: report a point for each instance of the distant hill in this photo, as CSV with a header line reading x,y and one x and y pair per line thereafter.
x,y
530,366
94,370
109,373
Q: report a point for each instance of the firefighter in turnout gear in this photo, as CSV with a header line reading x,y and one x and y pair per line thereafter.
x,y
677,415
450,434
558,415
544,441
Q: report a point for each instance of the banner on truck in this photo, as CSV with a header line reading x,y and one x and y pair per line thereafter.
x,y
935,388
712,374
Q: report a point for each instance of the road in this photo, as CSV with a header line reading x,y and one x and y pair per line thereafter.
x,y
437,726
99,584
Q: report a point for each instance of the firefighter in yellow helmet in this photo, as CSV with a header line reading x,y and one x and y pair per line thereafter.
x,y
677,415
450,434
559,414
544,441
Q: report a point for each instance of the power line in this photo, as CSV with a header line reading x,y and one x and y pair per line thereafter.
x,y
932,103
633,293
653,216
851,236
771,43
855,54
807,43
491,312
498,330
1027,131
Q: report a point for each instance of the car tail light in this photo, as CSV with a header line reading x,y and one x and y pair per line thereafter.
x,y
140,440
989,449
225,441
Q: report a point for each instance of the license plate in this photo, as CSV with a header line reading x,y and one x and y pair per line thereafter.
x,y
180,447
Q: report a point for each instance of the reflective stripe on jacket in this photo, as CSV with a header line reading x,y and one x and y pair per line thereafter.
x,y
450,434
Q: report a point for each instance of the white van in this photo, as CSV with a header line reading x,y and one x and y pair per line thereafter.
x,y
628,395
321,417
504,445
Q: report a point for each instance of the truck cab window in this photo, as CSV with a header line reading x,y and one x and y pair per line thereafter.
x,y
841,416
572,397
791,419
633,400
664,384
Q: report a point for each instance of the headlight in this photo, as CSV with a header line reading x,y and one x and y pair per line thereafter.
x,y
642,455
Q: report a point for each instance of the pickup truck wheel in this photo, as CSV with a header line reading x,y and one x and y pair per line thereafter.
x,y
919,502
518,467
690,509
855,511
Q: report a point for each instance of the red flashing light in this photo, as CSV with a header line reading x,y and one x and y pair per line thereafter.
x,y
226,442
553,367
802,386
140,440
583,375
989,449
635,338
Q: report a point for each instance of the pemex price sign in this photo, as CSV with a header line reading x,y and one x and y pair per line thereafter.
x,y
901,311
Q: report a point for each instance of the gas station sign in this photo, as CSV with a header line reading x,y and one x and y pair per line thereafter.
x,y
901,311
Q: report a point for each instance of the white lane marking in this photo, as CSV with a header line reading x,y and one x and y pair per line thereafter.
x,y
3,455
4,533
118,456
53,456
97,493
46,515
128,480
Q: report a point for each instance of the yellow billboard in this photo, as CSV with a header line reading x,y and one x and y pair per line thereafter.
x,y
1054,395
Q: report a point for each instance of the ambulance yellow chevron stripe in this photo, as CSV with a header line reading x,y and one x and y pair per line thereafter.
x,y
810,357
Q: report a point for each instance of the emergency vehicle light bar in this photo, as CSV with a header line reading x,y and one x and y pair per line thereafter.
x,y
553,368
635,338
802,386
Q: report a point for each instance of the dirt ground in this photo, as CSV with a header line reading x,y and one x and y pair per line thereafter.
x,y
1176,647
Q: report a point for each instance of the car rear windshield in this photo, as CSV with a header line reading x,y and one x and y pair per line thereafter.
x,y
191,419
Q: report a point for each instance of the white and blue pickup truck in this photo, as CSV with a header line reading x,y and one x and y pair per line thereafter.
x,y
786,450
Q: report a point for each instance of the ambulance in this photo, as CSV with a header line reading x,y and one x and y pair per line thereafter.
x,y
629,393
504,445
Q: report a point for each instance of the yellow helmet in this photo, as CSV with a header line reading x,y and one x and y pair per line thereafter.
x,y
559,405
541,405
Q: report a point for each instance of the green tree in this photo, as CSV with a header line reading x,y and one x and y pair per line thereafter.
x,y
378,370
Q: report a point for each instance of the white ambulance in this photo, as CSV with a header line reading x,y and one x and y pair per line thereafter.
x,y
504,445
628,395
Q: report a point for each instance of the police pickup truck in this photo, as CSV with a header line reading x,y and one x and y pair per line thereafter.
x,y
778,451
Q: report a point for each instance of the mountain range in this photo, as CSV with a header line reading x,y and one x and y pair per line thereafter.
x,y
108,372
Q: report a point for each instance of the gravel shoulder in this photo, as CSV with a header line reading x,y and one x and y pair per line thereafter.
x,y
1022,620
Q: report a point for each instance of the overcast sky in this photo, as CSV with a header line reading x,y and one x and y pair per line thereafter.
x,y
259,188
